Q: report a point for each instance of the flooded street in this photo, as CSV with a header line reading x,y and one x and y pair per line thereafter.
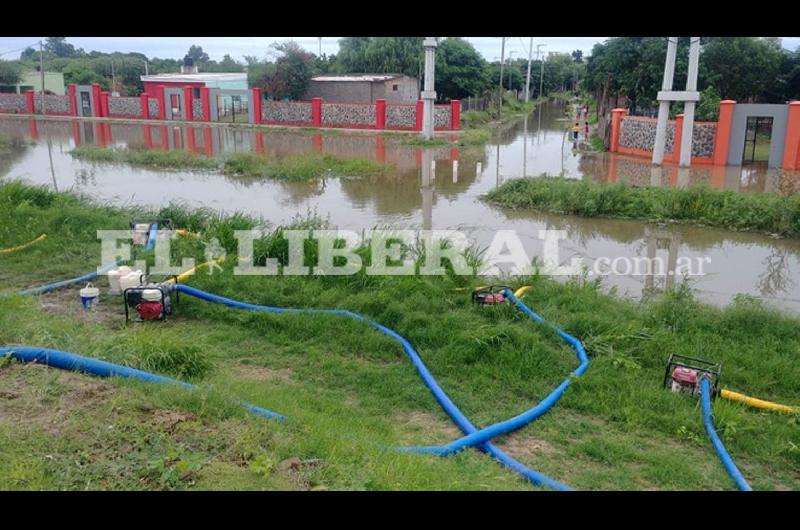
x,y
739,263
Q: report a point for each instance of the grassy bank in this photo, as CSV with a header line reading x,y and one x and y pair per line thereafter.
x,y
349,391
301,167
759,212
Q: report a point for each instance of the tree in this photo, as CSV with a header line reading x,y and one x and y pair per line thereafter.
x,y
708,107
197,54
227,64
9,73
379,55
288,77
59,47
577,56
740,67
28,54
460,70
81,73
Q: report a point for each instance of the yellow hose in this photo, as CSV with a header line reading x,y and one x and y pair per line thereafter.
x,y
522,290
184,275
24,245
755,402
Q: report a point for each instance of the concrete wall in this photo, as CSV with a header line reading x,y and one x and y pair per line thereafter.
x,y
441,117
54,104
406,92
286,112
640,133
125,107
348,115
779,114
401,116
155,107
364,91
13,103
703,138
197,109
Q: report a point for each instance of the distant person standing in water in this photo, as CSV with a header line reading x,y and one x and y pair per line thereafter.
x,y
586,129
575,130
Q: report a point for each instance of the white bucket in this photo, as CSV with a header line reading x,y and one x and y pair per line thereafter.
x,y
89,296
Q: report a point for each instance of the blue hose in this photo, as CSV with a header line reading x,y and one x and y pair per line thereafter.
x,y
517,422
441,397
66,283
727,461
151,239
78,363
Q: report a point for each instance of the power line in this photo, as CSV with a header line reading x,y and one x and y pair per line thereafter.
x,y
19,49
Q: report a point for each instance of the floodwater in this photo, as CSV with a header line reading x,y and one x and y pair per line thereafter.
x,y
437,188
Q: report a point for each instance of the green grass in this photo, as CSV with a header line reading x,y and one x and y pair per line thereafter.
x,y
759,212
598,144
349,391
292,168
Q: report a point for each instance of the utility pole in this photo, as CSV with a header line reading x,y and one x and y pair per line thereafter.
x,y
510,53
320,46
146,72
113,79
502,63
41,71
541,69
528,76
428,95
663,105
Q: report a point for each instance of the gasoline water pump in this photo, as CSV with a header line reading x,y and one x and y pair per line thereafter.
x,y
491,295
151,302
683,374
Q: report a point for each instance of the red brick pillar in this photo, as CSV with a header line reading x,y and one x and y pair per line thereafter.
x,y
191,144
316,112
420,106
380,114
722,138
145,102
791,149
205,95
380,149
96,103
260,143
73,106
104,104
616,124
676,144
31,103
455,114
188,103
162,105
257,99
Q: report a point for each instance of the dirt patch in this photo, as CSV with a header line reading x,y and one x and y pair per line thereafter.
x,y
525,447
37,397
68,302
262,373
427,428
169,420
297,470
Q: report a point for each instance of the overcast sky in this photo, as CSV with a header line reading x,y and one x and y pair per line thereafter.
x,y
237,47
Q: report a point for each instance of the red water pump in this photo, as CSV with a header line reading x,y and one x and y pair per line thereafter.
x,y
683,374
491,295
151,302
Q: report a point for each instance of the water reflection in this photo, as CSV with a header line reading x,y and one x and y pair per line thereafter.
x,y
426,188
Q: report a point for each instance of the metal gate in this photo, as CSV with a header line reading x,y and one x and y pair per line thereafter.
x,y
231,105
757,139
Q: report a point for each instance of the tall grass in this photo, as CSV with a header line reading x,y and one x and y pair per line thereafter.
x,y
760,212
291,168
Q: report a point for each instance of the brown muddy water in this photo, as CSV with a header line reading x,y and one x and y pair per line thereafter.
x,y
416,194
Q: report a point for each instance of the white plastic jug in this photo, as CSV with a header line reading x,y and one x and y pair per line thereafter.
x,y
132,279
114,277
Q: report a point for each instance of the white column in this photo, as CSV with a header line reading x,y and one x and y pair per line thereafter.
x,y
428,95
663,108
688,110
